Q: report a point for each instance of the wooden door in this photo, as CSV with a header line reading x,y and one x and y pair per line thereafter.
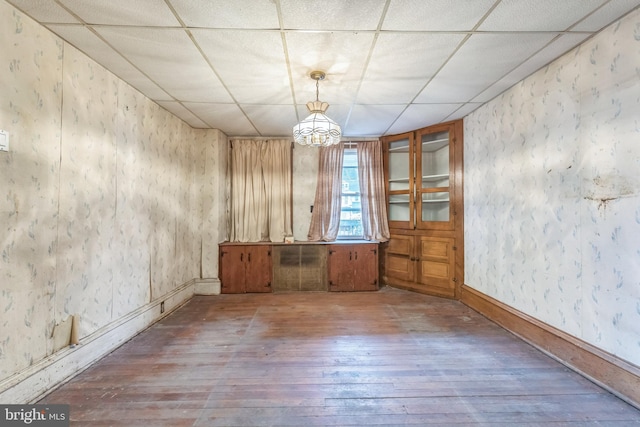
x,y
232,269
400,263
365,262
258,268
434,178
399,176
340,266
437,265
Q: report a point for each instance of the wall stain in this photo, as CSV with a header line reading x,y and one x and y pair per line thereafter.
x,y
605,189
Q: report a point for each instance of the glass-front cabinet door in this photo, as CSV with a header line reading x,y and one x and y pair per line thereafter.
x,y
434,164
419,170
400,181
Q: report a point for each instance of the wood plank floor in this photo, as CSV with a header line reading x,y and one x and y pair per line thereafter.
x,y
337,359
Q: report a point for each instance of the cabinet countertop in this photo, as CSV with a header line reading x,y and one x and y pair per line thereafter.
x,y
304,242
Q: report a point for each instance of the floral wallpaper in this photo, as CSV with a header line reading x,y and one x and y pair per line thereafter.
x,y
552,193
101,206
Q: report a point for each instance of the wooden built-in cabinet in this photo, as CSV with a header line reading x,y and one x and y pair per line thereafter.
x,y
423,172
303,266
353,267
245,268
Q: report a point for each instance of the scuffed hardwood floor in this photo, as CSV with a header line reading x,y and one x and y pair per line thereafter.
x,y
337,359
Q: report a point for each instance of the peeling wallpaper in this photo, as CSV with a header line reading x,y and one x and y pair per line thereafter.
x,y
552,193
101,207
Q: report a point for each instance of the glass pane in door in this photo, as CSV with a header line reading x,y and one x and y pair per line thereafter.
x,y
399,171
399,207
435,206
435,160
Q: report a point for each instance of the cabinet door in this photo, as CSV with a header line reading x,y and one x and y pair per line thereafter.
x,y
258,268
365,260
400,261
400,172
434,173
340,266
437,264
232,269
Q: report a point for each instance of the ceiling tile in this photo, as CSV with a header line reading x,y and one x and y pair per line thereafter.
x,y
479,63
606,15
464,111
169,58
250,63
331,14
123,12
248,14
341,55
402,64
367,120
181,112
539,15
555,49
420,115
45,11
229,118
435,15
272,120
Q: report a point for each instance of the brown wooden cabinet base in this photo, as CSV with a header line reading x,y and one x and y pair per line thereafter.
x,y
353,267
245,268
304,266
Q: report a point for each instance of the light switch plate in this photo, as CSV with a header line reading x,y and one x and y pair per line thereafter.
x,y
4,140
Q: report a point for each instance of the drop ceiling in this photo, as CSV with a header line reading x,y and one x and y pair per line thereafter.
x,y
242,66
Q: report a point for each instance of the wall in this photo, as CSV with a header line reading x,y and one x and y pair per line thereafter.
x,y
552,183
211,165
101,213
305,178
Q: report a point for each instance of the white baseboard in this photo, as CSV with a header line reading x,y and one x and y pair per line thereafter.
x,y
31,384
210,286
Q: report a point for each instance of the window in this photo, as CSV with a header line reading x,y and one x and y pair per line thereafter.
x,y
350,211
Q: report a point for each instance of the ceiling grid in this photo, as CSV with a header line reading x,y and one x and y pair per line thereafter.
x,y
242,66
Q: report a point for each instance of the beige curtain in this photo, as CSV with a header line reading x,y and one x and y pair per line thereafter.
x,y
375,224
260,190
277,178
325,219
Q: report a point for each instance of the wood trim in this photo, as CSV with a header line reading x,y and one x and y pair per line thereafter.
x,y
458,232
30,384
610,372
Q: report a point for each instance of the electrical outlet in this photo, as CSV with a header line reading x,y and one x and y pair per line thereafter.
x,y
162,307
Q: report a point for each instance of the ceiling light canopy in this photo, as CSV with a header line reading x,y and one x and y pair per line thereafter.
x,y
317,130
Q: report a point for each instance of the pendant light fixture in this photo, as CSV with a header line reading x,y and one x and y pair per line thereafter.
x,y
317,130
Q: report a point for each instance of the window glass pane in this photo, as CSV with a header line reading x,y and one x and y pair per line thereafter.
x,y
350,211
